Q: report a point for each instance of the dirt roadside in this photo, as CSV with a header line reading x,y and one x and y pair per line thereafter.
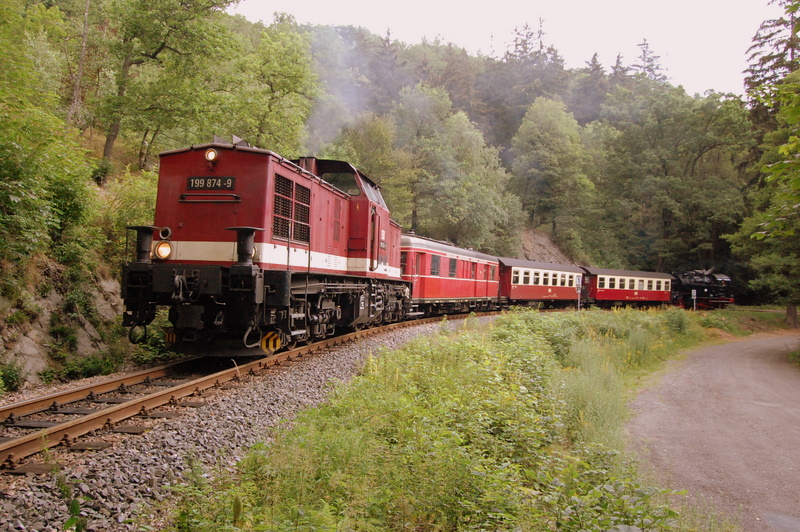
x,y
723,424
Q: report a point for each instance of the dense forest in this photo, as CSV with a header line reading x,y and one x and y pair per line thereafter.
x,y
619,167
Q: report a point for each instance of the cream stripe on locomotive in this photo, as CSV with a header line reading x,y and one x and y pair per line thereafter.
x,y
275,254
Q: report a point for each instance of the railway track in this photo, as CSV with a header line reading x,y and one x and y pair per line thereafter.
x,y
109,403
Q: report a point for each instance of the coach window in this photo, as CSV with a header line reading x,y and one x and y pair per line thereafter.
x,y
515,276
631,284
435,261
666,285
571,280
563,279
612,282
536,280
650,284
493,272
526,277
641,284
453,267
545,278
404,261
658,285
601,282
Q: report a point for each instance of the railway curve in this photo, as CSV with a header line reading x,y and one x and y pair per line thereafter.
x,y
119,485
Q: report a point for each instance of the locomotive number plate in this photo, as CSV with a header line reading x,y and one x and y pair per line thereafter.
x,y
211,183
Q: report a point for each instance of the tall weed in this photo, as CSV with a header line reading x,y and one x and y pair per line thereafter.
x,y
481,431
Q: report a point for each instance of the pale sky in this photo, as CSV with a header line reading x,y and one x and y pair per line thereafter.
x,y
702,44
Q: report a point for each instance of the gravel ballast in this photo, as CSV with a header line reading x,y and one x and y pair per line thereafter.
x,y
119,487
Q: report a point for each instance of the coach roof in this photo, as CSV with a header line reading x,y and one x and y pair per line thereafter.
x,y
539,265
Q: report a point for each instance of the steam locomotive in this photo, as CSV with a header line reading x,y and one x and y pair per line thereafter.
x,y
251,250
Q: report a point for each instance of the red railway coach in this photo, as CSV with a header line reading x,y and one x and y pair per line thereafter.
x,y
608,288
528,283
250,246
448,279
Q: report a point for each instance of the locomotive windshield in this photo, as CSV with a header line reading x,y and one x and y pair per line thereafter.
x,y
344,181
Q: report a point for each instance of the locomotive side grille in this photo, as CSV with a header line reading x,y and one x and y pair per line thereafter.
x,y
283,186
292,210
303,195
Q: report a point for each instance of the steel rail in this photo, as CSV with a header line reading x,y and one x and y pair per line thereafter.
x,y
13,451
40,404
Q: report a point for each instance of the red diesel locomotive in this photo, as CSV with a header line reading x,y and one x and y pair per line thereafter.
x,y
254,247
251,249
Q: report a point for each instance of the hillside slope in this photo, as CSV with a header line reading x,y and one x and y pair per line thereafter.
x,y
537,245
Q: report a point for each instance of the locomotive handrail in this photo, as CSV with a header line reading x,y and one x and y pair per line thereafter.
x,y
227,198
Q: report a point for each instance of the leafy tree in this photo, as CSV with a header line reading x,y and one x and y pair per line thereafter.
x,y
369,144
530,69
147,36
649,65
458,192
549,164
588,92
672,174
770,237
775,51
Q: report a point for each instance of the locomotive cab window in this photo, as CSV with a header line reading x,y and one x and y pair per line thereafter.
x,y
404,261
344,181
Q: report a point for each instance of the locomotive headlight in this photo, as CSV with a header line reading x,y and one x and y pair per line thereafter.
x,y
163,250
212,155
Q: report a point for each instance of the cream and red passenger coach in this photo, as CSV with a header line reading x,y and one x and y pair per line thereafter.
x,y
608,287
525,282
249,245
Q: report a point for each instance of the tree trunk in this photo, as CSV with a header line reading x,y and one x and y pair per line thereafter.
x,y
791,316
116,116
75,104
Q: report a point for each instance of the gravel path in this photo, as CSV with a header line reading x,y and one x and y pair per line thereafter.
x,y
724,425
121,483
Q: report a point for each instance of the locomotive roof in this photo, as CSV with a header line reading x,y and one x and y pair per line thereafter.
x,y
627,273
443,247
539,265
243,146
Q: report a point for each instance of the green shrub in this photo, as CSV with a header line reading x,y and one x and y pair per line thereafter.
x,y
12,376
